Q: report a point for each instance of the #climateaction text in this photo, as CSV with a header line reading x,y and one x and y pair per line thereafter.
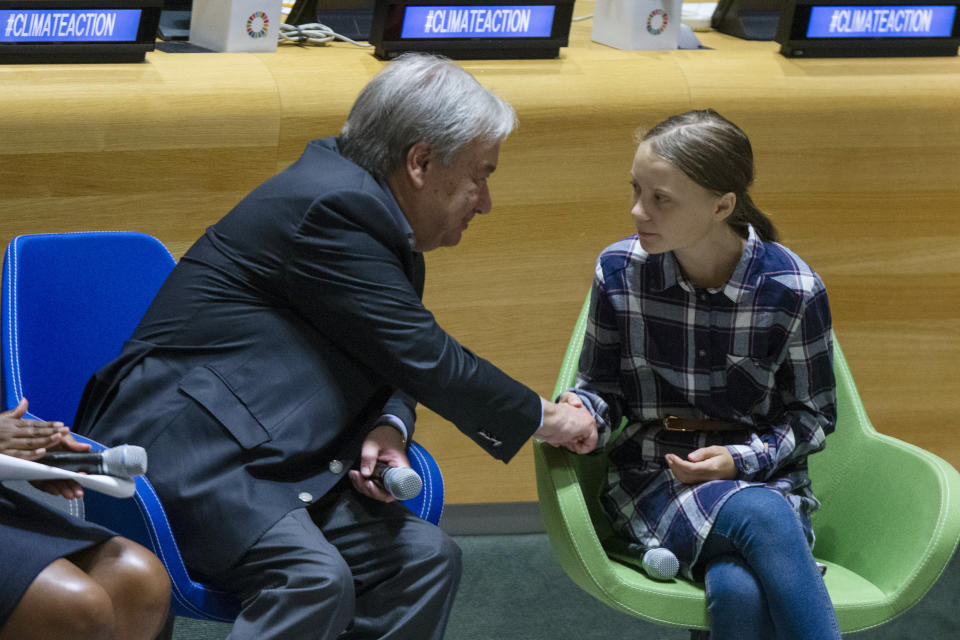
x,y
917,21
478,21
58,25
486,21
882,20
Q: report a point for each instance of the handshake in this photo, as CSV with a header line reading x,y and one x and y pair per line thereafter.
x,y
568,424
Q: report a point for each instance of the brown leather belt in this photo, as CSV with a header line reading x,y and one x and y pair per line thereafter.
x,y
673,423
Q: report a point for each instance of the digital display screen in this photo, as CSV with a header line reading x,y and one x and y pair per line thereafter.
x,y
478,21
69,25
881,21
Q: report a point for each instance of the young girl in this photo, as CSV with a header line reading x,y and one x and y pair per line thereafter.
x,y
713,341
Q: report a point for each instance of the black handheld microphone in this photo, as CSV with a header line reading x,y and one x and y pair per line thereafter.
x,y
124,461
402,483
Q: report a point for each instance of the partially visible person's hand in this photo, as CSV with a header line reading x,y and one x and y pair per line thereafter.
x,y
702,465
69,443
384,444
31,439
568,425
65,488
28,439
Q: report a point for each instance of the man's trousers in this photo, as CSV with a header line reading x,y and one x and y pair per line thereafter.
x,y
347,568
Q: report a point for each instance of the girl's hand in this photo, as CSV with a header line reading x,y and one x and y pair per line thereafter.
x,y
571,398
703,465
568,424
28,439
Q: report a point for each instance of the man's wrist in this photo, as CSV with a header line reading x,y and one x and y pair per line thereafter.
x,y
390,420
548,411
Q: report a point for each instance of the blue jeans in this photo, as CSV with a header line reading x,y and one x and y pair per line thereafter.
x,y
761,579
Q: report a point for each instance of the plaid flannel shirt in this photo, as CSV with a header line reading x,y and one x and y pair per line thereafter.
x,y
757,352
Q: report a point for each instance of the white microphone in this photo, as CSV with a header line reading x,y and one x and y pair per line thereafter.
x,y
124,461
660,564
402,483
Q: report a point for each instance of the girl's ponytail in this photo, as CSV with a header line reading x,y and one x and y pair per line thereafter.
x,y
748,213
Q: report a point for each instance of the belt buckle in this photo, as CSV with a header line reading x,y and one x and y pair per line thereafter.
x,y
673,423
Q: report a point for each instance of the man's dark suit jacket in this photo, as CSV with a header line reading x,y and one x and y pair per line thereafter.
x,y
273,347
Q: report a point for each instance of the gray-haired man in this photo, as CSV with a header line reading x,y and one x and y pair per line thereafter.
x,y
290,345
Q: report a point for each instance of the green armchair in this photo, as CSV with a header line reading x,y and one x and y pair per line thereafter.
x,y
889,524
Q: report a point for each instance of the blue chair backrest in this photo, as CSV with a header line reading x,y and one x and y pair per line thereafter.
x,y
69,303
80,294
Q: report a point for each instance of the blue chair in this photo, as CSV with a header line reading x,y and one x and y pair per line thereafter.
x,y
69,303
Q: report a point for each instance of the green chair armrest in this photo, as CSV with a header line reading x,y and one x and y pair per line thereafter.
x,y
890,510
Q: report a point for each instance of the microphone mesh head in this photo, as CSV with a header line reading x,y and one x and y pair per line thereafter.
x,y
402,483
126,460
660,564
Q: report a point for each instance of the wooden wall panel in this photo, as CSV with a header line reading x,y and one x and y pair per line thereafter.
x,y
164,147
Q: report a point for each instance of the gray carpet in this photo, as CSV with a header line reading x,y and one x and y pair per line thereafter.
x,y
513,588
